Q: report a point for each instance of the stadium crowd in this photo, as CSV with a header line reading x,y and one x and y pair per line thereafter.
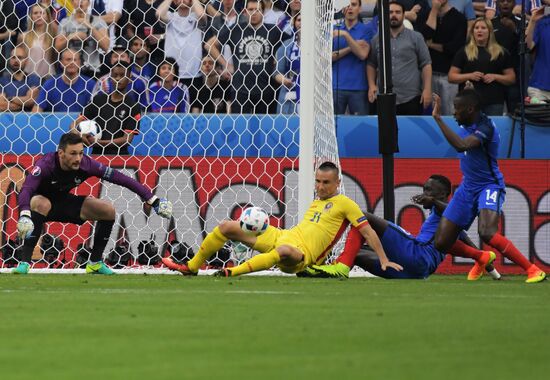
x,y
243,56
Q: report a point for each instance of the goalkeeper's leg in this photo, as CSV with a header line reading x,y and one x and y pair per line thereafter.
x,y
40,207
104,213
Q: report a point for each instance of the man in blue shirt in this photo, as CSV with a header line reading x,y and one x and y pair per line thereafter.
x,y
67,92
538,39
482,192
17,89
350,49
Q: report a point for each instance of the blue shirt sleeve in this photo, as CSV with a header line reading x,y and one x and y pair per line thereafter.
x,y
42,99
484,131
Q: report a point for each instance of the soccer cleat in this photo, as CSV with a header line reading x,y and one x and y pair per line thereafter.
x,y
479,267
309,272
99,268
22,268
534,275
182,268
336,270
222,273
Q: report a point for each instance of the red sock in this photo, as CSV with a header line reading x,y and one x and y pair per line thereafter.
x,y
509,250
354,242
462,249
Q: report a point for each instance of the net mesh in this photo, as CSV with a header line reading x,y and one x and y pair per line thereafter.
x,y
208,116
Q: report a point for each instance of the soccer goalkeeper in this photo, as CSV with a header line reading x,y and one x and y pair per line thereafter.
x,y
294,249
45,197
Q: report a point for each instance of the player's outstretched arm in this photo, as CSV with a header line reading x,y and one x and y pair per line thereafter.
x,y
162,206
457,142
374,242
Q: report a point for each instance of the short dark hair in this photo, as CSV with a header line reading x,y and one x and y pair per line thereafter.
x,y
327,166
470,97
170,61
125,64
443,181
398,3
262,6
69,138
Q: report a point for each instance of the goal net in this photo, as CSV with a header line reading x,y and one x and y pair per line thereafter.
x,y
215,105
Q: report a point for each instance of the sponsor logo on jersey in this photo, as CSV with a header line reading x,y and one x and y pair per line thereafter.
x,y
78,181
36,171
108,173
328,206
362,219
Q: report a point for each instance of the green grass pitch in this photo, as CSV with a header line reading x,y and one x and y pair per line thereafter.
x,y
171,327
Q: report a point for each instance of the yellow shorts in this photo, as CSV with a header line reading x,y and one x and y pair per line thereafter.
x,y
274,237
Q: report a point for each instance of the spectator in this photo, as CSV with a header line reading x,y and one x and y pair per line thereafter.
x,y
287,73
215,95
486,65
86,34
254,46
506,28
18,90
350,49
167,94
136,90
145,24
8,29
227,16
110,11
184,39
411,66
58,10
117,115
466,7
142,65
530,7
538,39
39,39
445,34
292,9
67,92
271,15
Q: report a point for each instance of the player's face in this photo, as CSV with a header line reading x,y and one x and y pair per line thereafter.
x,y
70,158
435,189
326,183
463,113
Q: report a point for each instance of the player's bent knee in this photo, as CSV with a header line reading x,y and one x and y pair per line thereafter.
x,y
486,234
289,255
41,204
229,228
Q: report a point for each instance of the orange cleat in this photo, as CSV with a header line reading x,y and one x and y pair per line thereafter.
x,y
535,274
182,268
479,267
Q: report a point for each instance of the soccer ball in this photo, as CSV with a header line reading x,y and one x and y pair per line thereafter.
x,y
254,220
89,127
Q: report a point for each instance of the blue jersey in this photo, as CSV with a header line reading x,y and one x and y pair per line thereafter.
x,y
11,87
479,165
428,228
57,96
171,100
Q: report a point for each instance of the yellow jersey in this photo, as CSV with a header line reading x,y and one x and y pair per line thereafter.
x,y
325,221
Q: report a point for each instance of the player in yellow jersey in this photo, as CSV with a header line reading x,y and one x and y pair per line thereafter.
x,y
294,249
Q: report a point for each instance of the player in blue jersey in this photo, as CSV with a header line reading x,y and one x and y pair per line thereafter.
x,y
482,192
416,254
45,197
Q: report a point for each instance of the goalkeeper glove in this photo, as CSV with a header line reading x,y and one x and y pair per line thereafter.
x,y
25,226
162,206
